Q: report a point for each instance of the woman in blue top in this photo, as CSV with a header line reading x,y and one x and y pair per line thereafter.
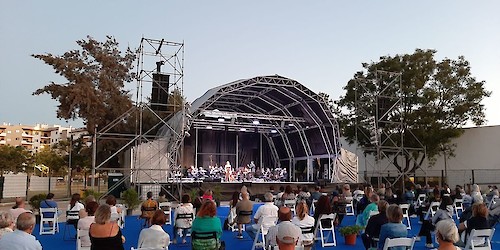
x,y
206,222
393,229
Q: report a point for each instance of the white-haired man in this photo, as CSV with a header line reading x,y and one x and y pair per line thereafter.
x,y
21,238
266,210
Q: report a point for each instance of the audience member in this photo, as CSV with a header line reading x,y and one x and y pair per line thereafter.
x,y
446,235
148,208
183,223
48,203
74,206
266,210
206,221
287,236
154,237
362,218
303,220
444,212
284,214
208,195
21,238
288,194
316,194
323,206
83,212
162,196
479,220
304,194
365,200
7,223
18,208
198,201
84,223
374,225
394,228
103,233
245,205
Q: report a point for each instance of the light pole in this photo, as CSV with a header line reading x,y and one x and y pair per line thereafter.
x,y
444,148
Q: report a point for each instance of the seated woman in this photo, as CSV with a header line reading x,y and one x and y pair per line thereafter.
x,y
323,206
7,223
104,234
394,228
115,211
446,235
374,225
148,208
185,209
206,222
73,211
154,237
303,220
84,223
479,220
362,218
444,212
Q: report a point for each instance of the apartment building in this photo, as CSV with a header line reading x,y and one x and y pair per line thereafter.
x,y
34,138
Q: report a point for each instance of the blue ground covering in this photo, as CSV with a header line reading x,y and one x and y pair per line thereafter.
x,y
133,227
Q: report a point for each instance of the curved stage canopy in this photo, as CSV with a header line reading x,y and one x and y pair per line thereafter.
x,y
271,120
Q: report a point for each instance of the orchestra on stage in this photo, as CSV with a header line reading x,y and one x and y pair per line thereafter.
x,y
248,173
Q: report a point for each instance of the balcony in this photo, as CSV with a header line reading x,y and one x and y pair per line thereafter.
x,y
3,142
26,142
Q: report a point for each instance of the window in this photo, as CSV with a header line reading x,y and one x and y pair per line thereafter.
x,y
17,130
9,132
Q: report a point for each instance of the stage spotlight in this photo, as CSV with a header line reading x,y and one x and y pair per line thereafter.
x,y
274,131
187,134
243,129
209,127
220,119
291,125
256,122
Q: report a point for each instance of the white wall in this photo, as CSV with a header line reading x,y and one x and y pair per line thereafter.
x,y
15,185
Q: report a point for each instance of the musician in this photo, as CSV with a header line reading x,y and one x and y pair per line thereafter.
x,y
229,171
252,166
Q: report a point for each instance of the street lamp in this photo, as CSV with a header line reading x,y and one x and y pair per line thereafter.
x,y
445,148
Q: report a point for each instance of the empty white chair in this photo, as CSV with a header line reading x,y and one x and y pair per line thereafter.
x,y
166,207
349,207
330,229
49,216
420,200
313,206
79,234
264,225
484,242
433,208
458,205
399,242
406,214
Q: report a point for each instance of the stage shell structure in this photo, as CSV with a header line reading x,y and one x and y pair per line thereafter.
x,y
271,120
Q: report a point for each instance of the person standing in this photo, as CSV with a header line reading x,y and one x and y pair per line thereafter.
x,y
245,205
22,238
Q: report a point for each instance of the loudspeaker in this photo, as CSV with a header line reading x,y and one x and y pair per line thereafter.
x,y
159,92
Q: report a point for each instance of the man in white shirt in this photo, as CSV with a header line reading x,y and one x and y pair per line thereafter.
x,y
287,236
284,214
21,238
266,210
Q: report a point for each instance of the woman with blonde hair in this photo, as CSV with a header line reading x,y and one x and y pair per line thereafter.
x,y
303,220
447,235
104,234
394,228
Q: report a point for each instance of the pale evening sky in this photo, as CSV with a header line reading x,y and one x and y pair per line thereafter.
x,y
321,44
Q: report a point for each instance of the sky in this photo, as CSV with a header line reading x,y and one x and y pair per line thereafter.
x,y
321,44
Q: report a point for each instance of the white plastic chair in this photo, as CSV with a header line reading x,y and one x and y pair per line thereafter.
x,y
166,207
420,199
399,242
50,229
233,226
486,234
268,221
458,205
313,207
330,230
433,208
79,234
406,214
349,207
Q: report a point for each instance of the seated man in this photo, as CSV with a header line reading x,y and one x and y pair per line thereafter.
x,y
19,208
287,235
266,210
284,214
148,208
48,203
22,237
243,206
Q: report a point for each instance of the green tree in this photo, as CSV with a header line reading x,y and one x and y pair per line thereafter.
x,y
14,159
95,76
53,159
438,99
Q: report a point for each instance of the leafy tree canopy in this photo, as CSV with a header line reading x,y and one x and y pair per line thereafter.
x,y
438,99
13,159
95,76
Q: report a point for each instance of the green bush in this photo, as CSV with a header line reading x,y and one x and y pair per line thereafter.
x,y
35,201
131,198
349,230
88,192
